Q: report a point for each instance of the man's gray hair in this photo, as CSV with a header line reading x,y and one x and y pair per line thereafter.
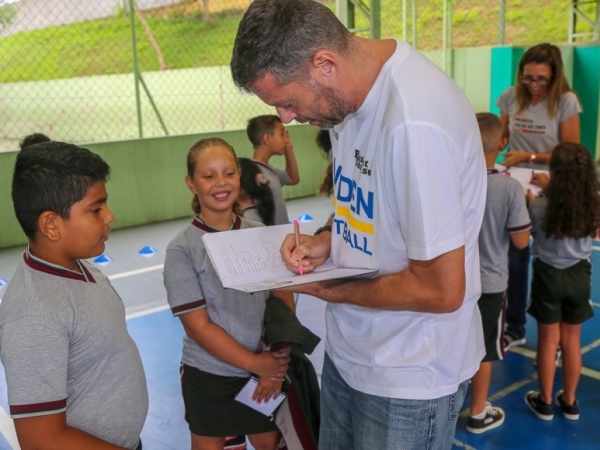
x,y
281,37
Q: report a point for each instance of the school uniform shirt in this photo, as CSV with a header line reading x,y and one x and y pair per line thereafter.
x,y
559,253
65,348
533,130
277,179
505,214
410,182
192,283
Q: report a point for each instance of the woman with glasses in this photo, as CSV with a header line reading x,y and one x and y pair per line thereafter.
x,y
537,114
540,111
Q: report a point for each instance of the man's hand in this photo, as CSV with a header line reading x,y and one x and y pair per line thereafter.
x,y
313,251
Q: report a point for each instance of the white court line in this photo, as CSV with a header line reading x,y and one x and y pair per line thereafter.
x,y
462,445
146,312
116,276
7,429
130,273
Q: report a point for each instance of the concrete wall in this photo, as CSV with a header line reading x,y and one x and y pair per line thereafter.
x,y
146,183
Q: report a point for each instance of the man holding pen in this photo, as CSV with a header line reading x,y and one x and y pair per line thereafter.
x,y
410,186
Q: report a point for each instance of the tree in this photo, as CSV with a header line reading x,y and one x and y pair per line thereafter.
x,y
8,12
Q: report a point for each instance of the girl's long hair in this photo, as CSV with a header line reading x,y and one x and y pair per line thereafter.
x,y
573,194
254,183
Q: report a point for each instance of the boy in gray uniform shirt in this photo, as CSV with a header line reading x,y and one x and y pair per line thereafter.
x,y
269,138
505,219
74,375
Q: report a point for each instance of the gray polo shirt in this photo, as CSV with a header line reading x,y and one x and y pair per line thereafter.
x,y
192,283
277,179
65,347
559,253
505,213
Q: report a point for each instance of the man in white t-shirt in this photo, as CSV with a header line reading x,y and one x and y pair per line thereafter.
x,y
410,186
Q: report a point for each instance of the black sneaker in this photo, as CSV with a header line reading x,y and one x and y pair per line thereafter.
x,y
570,412
538,407
494,417
511,340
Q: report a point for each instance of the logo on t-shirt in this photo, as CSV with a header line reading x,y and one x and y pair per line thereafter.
x,y
525,125
354,212
362,163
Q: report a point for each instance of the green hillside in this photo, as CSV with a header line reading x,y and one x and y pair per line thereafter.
x,y
104,46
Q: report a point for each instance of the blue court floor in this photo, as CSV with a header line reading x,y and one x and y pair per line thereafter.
x,y
138,279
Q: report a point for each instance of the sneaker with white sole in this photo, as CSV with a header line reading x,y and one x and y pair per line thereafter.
x,y
538,407
494,417
510,340
570,412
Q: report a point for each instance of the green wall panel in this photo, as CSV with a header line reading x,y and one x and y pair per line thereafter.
x,y
504,65
146,182
586,82
471,71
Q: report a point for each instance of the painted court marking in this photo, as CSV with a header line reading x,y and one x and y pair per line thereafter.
x,y
131,273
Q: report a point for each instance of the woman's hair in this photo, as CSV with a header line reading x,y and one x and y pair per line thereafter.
x,y
256,185
573,198
191,158
557,85
324,143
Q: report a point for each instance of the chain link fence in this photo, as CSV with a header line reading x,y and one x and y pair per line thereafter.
x,y
102,70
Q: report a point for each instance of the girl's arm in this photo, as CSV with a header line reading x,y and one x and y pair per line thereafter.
x,y
570,130
222,346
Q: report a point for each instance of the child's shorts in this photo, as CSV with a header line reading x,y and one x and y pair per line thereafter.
x,y
561,295
211,408
491,307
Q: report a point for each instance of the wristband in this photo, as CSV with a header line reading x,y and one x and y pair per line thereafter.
x,y
324,228
532,158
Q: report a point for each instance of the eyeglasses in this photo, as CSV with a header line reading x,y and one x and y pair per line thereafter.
x,y
541,81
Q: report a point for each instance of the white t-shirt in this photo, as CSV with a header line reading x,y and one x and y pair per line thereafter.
x,y
410,182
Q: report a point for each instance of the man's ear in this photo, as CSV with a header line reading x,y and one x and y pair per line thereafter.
x,y
48,224
190,184
325,63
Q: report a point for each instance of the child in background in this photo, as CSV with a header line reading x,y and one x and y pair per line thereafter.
x,y
324,143
74,375
223,327
565,218
256,198
269,137
505,220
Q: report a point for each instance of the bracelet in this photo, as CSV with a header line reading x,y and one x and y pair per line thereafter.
x,y
324,228
532,158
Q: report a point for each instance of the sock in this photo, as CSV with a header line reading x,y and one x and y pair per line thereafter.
x,y
480,416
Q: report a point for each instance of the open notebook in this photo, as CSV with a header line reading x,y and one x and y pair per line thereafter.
x,y
248,260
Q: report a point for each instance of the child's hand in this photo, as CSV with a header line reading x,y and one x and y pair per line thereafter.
x,y
266,390
529,196
271,365
289,147
540,179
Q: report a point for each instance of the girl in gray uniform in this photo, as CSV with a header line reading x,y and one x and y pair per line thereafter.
x,y
564,218
223,327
